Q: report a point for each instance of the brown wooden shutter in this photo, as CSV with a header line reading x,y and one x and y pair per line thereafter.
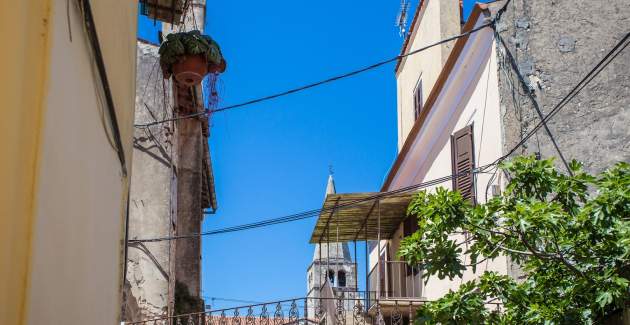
x,y
463,161
410,226
417,100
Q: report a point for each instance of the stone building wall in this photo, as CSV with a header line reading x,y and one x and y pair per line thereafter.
x,y
195,185
151,206
554,44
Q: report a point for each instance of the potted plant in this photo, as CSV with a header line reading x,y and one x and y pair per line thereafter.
x,y
189,56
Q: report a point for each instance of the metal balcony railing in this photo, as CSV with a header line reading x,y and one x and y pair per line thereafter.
x,y
395,280
336,308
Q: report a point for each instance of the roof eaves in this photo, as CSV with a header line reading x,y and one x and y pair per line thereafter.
x,y
208,193
439,85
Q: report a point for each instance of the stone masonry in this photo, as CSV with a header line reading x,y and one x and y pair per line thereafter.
x,y
152,205
555,43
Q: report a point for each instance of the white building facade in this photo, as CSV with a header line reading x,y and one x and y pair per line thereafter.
x,y
457,129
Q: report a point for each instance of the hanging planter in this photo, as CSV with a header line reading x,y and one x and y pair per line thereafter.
x,y
190,56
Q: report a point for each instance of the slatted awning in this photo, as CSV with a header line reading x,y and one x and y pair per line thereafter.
x,y
355,216
168,11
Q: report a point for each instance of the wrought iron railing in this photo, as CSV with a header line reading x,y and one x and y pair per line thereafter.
x,y
342,308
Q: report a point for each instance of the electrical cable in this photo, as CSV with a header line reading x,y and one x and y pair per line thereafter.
x,y
617,49
609,57
315,212
529,94
325,81
95,51
213,299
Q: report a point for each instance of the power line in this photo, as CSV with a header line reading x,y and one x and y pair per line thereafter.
x,y
251,302
315,212
533,100
325,81
617,49
212,299
609,57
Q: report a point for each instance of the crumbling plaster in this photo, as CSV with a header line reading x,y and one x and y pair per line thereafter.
x,y
555,43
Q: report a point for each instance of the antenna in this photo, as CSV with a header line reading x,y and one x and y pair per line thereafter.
x,y
401,20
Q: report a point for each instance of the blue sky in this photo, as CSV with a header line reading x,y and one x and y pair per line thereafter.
x,y
271,159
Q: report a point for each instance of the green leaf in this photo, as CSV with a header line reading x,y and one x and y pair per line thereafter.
x,y
569,234
604,298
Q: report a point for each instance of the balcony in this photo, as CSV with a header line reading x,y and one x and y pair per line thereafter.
x,y
397,280
394,284
394,289
345,308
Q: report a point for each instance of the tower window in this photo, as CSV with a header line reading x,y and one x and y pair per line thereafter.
x,y
331,277
341,279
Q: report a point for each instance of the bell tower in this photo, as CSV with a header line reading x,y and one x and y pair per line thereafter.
x,y
332,262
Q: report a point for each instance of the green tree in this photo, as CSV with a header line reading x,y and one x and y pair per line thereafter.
x,y
569,234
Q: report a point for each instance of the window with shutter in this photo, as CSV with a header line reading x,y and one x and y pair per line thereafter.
x,y
410,226
462,157
417,100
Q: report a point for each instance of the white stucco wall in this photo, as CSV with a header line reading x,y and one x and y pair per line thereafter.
x,y
469,96
482,111
435,22
76,271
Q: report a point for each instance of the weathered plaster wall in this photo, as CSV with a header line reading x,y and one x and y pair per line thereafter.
x,y
166,192
190,210
151,203
192,150
23,87
555,44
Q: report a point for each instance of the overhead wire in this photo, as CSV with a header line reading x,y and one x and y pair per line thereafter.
x,y
594,72
528,93
617,49
325,81
101,78
315,212
251,302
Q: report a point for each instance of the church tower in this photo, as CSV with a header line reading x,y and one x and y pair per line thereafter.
x,y
331,261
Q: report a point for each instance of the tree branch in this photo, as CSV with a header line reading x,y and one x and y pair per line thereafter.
x,y
547,256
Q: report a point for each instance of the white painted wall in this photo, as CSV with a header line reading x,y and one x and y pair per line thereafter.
x,y
77,253
432,25
469,96
482,111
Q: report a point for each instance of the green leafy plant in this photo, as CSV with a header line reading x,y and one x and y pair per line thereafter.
x,y
570,235
178,45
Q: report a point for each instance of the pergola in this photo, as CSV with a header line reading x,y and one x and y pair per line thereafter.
x,y
168,11
353,217
360,217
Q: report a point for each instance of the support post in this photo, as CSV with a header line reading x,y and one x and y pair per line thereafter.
x,y
356,275
319,265
367,267
328,254
378,252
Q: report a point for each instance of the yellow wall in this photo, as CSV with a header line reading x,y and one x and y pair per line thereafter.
x,y
63,199
25,33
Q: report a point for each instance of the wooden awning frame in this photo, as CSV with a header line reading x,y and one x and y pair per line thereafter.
x,y
360,217
168,11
